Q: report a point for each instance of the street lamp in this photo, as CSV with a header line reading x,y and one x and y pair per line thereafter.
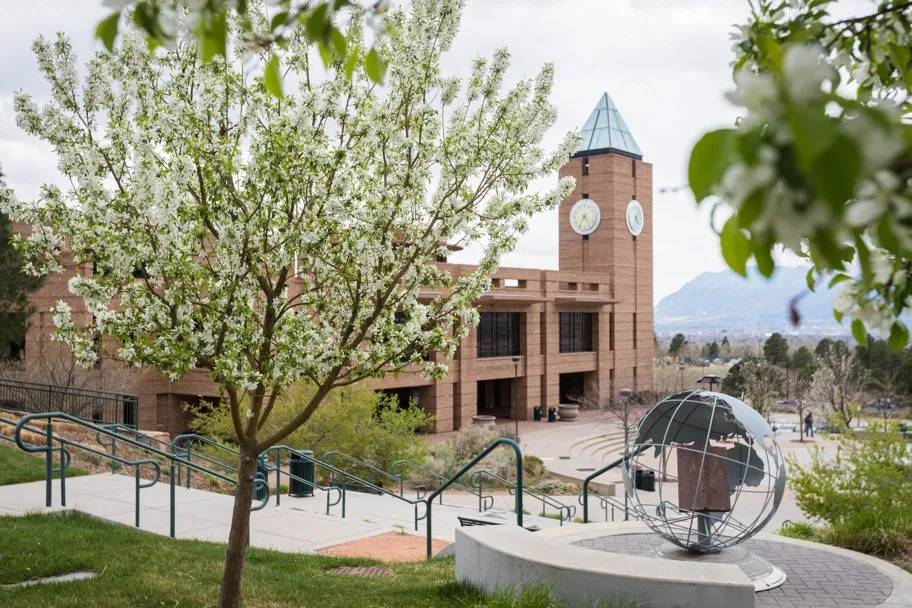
x,y
626,393
516,359
682,377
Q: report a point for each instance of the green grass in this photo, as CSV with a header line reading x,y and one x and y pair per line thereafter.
x,y
17,466
143,570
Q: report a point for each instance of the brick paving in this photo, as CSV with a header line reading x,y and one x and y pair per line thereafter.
x,y
816,578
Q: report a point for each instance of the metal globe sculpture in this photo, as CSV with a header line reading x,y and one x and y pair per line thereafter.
x,y
719,474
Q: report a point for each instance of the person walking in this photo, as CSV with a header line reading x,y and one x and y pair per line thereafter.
x,y
809,425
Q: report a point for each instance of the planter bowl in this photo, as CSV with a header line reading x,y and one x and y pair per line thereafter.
x,y
484,421
568,412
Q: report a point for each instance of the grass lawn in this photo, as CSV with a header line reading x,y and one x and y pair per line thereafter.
x,y
143,570
17,466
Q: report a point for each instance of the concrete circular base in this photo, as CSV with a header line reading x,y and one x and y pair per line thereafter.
x,y
763,574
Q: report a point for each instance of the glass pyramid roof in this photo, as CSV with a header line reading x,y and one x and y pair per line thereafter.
x,y
606,131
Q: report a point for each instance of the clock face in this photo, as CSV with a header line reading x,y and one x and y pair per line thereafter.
x,y
635,218
585,216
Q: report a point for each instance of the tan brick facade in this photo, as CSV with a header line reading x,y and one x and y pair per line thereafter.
x,y
608,274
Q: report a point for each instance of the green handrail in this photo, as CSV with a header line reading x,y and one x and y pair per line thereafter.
x,y
483,504
345,475
330,458
466,467
279,472
174,460
584,496
477,479
64,459
188,437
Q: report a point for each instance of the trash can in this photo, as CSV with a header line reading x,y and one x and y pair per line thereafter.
x,y
537,413
260,491
552,414
644,480
304,469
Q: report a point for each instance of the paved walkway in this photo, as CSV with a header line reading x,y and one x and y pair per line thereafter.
x,y
299,525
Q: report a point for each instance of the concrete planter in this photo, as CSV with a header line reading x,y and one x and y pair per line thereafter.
x,y
568,412
484,421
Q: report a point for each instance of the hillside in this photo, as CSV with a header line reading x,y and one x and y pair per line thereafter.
x,y
726,302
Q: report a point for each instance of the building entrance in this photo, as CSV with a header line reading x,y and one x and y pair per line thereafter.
x,y
572,387
495,397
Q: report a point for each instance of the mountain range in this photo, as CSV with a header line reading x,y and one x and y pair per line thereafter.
x,y
725,302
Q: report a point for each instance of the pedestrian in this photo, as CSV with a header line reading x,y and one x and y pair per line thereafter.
x,y
809,425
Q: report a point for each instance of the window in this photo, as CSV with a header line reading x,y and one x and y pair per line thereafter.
x,y
498,334
611,331
586,166
634,331
575,332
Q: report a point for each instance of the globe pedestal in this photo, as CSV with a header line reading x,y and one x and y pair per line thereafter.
x,y
763,574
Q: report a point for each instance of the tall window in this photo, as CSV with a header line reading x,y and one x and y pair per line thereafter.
x,y
575,332
498,334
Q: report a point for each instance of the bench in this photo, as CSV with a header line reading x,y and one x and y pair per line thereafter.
x,y
467,522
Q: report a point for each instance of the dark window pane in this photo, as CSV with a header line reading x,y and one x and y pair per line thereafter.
x,y
575,332
498,334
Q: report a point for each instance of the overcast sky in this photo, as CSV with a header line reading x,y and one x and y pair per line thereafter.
x,y
664,62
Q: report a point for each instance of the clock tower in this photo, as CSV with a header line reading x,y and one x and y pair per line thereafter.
x,y
605,228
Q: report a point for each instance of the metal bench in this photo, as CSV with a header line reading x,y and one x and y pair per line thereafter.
x,y
466,522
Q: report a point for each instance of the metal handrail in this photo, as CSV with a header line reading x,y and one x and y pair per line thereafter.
x,y
189,453
477,479
40,397
584,495
264,461
483,504
174,459
466,467
345,475
330,458
65,458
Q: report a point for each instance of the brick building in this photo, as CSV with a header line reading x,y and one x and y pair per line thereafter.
x,y
545,336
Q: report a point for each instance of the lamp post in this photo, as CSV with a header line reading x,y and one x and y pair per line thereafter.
x,y
682,376
516,359
626,393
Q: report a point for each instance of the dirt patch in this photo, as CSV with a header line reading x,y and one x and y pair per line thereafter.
x,y
389,547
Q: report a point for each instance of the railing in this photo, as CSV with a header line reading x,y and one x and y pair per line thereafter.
x,y
400,465
64,458
330,459
99,407
175,461
446,484
566,512
264,461
345,476
584,496
188,452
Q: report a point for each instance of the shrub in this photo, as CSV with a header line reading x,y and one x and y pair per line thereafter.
x,y
869,479
801,530
556,487
448,458
355,420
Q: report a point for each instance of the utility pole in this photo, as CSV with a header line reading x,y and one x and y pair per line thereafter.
x,y
626,393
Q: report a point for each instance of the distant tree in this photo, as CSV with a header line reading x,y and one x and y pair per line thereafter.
x,y
803,383
802,358
762,384
775,350
15,287
677,344
712,351
883,366
725,348
733,384
837,384
822,347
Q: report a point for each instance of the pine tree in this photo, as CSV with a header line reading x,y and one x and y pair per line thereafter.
x,y
15,287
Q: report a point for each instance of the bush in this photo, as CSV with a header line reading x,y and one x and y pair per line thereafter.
x,y
870,478
354,420
800,530
448,458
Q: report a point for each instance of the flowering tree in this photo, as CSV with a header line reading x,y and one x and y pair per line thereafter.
x,y
762,384
821,161
281,240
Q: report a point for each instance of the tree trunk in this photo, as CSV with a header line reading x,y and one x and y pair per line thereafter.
x,y
230,592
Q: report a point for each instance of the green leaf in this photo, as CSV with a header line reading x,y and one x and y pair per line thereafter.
x,y
736,247
899,336
762,250
272,78
751,208
351,62
838,316
835,173
214,41
839,278
339,43
375,66
107,30
885,234
316,28
708,161
859,333
325,54
864,262
811,281
814,132
278,21
771,50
